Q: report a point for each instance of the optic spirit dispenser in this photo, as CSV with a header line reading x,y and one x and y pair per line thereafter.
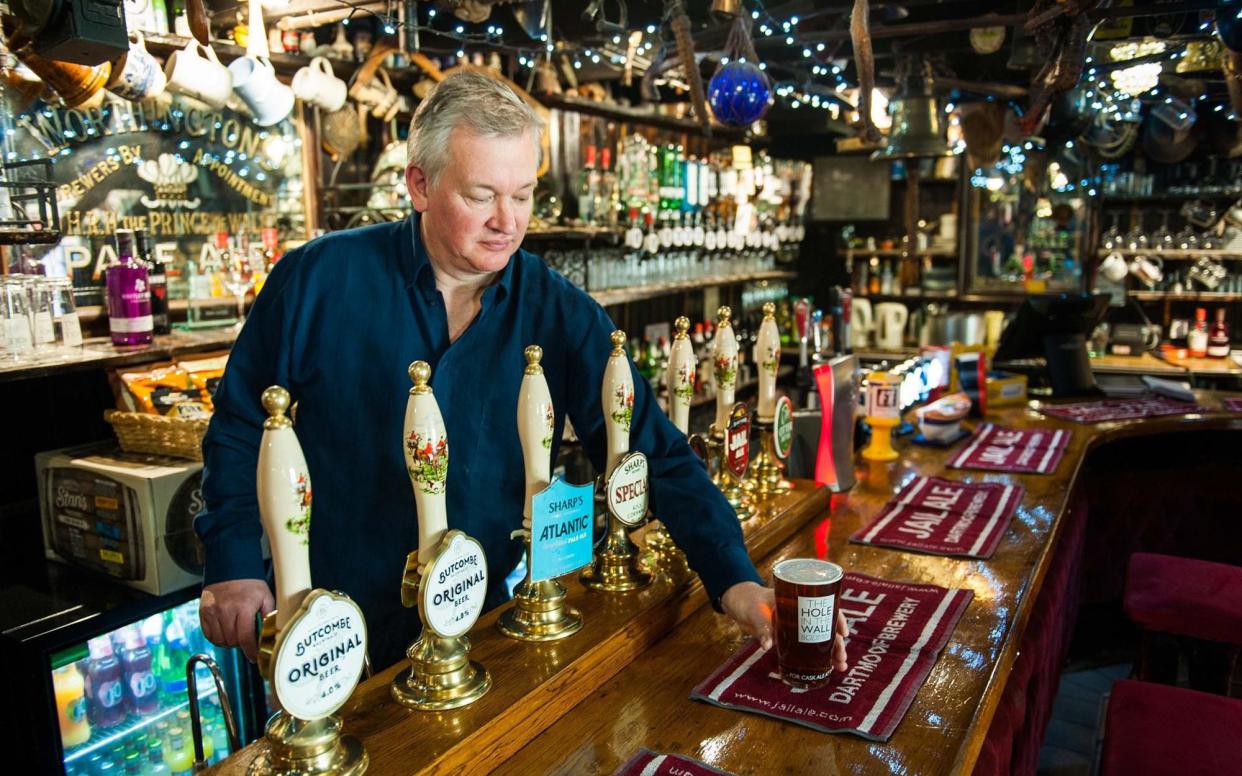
x,y
446,577
313,670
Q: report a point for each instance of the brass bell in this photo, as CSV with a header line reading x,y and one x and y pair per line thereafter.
x,y
725,10
916,129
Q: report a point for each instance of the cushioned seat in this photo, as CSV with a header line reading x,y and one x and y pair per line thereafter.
x,y
1185,597
1154,730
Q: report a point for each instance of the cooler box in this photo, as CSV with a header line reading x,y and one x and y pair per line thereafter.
x,y
128,516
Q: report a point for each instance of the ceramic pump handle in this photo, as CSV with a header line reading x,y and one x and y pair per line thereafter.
x,y
679,379
618,400
425,444
724,364
284,491
768,359
536,425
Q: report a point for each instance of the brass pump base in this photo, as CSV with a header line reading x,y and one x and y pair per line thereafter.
x,y
315,748
539,613
724,479
441,675
660,547
616,568
765,478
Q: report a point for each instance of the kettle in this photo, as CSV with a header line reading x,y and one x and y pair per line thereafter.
x,y
861,323
890,318
935,326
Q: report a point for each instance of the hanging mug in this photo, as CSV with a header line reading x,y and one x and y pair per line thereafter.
x,y
1149,271
254,80
1114,267
137,75
196,72
318,85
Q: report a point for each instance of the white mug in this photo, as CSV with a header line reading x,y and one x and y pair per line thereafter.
x,y
137,75
1149,271
254,80
1114,267
196,72
317,84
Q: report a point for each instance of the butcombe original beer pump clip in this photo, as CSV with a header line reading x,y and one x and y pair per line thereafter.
x,y
313,647
446,577
765,478
616,567
728,446
679,383
557,523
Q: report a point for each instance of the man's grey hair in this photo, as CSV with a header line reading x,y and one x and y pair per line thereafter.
x,y
466,98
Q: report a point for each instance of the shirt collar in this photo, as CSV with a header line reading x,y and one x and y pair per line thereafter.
x,y
422,275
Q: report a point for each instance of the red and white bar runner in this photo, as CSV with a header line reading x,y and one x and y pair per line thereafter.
x,y
945,517
1026,450
1231,405
648,763
1119,409
897,632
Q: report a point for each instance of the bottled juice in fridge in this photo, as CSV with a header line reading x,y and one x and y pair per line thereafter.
x,y
156,765
141,690
70,691
106,695
180,759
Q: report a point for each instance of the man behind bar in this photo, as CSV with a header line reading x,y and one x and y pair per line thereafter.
x,y
338,323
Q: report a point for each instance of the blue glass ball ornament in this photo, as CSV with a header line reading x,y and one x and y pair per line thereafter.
x,y
739,94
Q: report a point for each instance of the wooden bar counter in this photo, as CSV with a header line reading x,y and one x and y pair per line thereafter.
x,y
624,682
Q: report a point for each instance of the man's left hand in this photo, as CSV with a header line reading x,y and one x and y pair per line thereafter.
x,y
753,607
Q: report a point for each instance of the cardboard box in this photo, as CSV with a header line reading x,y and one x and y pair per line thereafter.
x,y
1006,390
128,517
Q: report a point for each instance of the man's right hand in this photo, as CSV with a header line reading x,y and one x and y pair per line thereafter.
x,y
227,612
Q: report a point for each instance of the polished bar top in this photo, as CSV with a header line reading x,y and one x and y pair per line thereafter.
x,y
534,685
648,705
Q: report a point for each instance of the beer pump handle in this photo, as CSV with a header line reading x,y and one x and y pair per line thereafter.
x,y
679,377
724,365
618,401
284,495
425,444
536,426
768,359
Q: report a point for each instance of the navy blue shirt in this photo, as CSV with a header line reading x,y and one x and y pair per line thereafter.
x,y
338,323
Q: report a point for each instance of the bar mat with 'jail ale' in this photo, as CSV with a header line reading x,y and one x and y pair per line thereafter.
x,y
1021,450
945,517
648,763
1120,409
897,630
1231,405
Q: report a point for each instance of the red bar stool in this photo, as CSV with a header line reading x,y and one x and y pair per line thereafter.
x,y
1184,597
1157,730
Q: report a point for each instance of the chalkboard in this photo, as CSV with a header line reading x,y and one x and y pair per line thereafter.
x,y
850,188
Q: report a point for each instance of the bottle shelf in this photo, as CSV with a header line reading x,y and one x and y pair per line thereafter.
x,y
938,252
132,726
1184,255
615,296
1190,296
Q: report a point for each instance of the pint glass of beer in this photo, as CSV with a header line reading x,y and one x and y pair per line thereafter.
x,y
806,619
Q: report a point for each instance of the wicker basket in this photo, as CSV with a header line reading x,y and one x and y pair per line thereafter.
x,y
140,432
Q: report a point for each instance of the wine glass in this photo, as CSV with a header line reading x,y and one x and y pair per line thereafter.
x,y
239,279
1112,239
1162,239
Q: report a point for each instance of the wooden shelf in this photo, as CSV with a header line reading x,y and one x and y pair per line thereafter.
x,y
98,353
575,233
1180,254
946,296
940,252
635,116
616,296
1192,296
1140,198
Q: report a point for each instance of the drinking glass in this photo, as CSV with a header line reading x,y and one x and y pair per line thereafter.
x,y
65,313
15,317
239,279
806,607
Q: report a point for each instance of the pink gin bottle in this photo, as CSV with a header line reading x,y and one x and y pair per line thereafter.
x,y
129,295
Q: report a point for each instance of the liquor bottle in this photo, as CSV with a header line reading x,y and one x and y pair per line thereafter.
x,y
157,280
1218,338
588,187
609,195
129,301
1197,339
106,692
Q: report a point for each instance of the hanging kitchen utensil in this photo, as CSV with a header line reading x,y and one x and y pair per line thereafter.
x,y
533,17
594,13
199,26
340,136
680,24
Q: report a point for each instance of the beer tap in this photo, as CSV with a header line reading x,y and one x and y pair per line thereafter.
x,y
445,577
305,736
765,477
538,612
727,451
616,566
679,383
